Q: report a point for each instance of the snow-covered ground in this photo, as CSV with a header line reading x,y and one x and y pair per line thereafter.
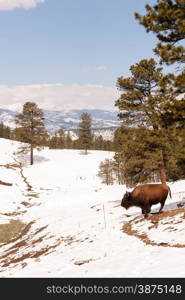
x,y
75,226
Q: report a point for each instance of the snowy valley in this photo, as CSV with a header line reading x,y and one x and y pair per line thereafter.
x,y
69,224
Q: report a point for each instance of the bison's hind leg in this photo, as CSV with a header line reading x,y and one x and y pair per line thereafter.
x,y
162,205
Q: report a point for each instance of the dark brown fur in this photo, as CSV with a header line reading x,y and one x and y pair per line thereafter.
x,y
146,195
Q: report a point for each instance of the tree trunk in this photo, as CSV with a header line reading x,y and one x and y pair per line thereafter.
x,y
163,176
31,155
164,167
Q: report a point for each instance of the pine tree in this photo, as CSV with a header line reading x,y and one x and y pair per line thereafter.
x,y
167,20
61,139
53,142
31,126
141,157
5,131
1,129
118,165
98,142
68,141
177,162
106,171
146,96
154,104
85,132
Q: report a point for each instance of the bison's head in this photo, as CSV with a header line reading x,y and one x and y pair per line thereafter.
x,y
126,201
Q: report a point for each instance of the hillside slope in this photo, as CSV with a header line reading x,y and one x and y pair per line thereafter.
x,y
58,220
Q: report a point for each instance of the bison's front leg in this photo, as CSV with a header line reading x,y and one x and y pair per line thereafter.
x,y
146,209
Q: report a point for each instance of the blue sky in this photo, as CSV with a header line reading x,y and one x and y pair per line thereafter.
x,y
70,43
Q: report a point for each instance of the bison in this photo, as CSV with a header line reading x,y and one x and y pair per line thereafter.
x,y
146,195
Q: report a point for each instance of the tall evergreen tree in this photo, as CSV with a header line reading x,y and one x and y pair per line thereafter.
x,y
85,132
146,94
31,126
166,19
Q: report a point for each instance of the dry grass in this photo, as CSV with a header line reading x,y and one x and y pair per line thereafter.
x,y
14,213
11,230
27,204
32,195
26,245
12,256
19,235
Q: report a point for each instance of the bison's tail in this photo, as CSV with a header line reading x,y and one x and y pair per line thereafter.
x,y
170,193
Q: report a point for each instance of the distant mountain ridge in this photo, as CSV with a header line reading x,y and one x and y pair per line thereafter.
x,y
55,120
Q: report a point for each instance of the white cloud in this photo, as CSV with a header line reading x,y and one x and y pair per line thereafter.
x,y
12,4
101,68
59,96
93,68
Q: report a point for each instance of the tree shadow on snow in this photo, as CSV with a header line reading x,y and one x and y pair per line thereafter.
x,y
25,159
